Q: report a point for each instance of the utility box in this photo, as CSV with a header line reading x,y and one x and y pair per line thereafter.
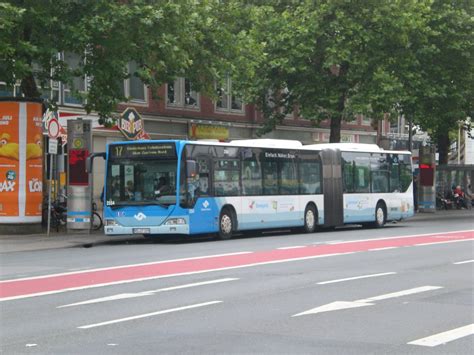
x,y
427,190
79,202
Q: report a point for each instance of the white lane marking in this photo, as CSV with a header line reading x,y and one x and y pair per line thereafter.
x,y
31,345
401,293
435,235
336,241
125,266
145,293
339,305
293,247
386,248
464,262
445,337
171,275
356,278
148,315
333,306
445,242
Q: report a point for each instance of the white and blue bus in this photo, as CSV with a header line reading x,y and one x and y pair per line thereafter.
x,y
195,187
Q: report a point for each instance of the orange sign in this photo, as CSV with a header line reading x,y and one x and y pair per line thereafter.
x,y
9,163
34,160
21,161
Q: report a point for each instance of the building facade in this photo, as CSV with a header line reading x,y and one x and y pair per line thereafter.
x,y
182,113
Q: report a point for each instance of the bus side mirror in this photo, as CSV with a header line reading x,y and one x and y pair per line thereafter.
x,y
192,168
90,160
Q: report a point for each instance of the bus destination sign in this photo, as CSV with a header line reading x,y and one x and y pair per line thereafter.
x,y
147,150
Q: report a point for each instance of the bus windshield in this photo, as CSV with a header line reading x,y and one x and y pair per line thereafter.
x,y
146,179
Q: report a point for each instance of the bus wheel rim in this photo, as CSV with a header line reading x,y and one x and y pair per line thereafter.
x,y
310,219
226,224
380,216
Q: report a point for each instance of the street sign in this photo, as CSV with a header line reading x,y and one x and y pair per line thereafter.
x,y
53,128
53,146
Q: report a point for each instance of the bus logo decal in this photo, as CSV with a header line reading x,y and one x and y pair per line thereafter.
x,y
140,216
205,204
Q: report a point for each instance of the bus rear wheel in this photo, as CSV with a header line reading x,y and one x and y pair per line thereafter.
x,y
226,224
380,215
310,219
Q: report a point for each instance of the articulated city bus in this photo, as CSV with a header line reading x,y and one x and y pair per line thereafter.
x,y
195,187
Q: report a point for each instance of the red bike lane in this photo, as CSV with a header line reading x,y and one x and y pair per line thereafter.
x,y
51,284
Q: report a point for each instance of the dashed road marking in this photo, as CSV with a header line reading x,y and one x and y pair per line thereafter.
x,y
146,315
464,262
356,278
445,337
387,248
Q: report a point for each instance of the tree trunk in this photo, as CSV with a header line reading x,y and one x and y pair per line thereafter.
x,y
336,122
335,136
29,88
443,147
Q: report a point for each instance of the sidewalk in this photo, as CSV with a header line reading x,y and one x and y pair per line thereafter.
x,y
30,242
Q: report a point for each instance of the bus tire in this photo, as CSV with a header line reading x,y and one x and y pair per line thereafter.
x,y
310,219
380,215
226,224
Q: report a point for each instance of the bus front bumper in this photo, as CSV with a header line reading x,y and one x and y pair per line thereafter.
x,y
163,229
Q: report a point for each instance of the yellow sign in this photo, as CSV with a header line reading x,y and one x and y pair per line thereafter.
x,y
203,131
78,143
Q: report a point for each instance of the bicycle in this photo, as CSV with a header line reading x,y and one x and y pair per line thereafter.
x,y
58,214
97,222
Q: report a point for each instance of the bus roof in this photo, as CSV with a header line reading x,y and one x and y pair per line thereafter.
x,y
354,147
289,144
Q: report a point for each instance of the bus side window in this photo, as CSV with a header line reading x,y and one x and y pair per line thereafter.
x,y
203,178
270,177
310,174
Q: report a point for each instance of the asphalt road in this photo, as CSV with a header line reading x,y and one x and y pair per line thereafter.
x,y
351,298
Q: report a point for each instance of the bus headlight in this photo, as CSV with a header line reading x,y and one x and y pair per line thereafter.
x,y
111,222
175,221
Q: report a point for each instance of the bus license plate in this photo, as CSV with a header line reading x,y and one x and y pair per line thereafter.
x,y
141,230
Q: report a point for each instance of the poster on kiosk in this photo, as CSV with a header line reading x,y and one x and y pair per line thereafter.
x,y
21,162
79,141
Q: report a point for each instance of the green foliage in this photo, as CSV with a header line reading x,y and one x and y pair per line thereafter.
x,y
166,39
337,58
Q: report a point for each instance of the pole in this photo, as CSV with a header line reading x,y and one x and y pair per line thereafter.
x,y
49,191
410,133
459,143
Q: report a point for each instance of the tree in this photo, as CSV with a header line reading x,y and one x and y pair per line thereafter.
x,y
328,58
445,95
166,39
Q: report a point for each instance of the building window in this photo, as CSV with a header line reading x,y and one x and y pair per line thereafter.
x,y
366,121
133,88
180,94
72,93
6,90
227,102
48,89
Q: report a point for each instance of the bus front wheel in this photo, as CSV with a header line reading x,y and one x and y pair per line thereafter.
x,y
380,215
310,219
226,224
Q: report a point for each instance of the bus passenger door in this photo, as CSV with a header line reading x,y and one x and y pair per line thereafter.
x,y
201,214
332,188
